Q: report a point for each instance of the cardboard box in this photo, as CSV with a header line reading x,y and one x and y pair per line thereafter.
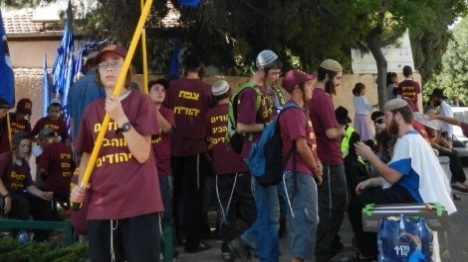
x,y
435,215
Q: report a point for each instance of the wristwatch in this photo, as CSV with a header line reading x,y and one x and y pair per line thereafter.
x,y
125,127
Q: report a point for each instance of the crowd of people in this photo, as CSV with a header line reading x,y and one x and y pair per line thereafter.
x,y
166,156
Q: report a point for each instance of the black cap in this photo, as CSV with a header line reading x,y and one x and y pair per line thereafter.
x,y
376,115
341,115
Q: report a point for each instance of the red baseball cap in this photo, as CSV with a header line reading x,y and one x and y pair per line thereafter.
x,y
117,49
294,77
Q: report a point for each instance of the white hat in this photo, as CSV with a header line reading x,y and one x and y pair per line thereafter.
x,y
265,58
220,87
55,101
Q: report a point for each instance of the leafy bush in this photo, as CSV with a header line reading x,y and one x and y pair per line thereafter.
x,y
10,250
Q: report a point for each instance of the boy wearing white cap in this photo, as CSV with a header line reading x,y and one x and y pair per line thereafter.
x,y
233,181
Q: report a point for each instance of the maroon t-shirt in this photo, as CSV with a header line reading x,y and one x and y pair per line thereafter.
x,y
14,177
190,100
58,126
293,125
16,125
225,160
121,186
57,160
247,114
410,89
161,145
464,128
322,115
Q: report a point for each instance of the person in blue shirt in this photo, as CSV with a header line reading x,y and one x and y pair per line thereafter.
x,y
81,94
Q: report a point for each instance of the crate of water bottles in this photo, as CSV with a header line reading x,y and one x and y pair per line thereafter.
x,y
406,233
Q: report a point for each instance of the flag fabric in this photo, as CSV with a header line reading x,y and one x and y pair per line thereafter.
x,y
189,3
78,62
45,85
7,77
175,58
64,52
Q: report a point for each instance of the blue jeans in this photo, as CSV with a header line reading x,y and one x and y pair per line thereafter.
x,y
263,234
303,222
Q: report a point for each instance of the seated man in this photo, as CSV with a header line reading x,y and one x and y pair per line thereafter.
x,y
413,175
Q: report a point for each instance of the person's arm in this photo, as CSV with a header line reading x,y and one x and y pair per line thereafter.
x,y
447,119
369,183
139,145
6,196
39,193
165,126
78,194
335,133
388,173
250,128
304,151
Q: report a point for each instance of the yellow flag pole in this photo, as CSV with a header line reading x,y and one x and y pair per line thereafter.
x,y
118,87
145,61
9,127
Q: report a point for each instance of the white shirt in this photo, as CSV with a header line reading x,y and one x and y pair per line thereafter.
x,y
446,110
361,105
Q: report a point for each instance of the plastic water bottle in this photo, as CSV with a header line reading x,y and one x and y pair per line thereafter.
x,y
23,237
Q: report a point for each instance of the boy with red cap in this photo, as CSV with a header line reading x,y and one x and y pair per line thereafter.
x,y
124,196
18,122
303,170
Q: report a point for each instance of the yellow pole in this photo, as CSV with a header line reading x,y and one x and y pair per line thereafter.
x,y
145,61
118,87
9,127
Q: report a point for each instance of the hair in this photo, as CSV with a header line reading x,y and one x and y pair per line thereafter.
x,y
127,83
223,96
390,76
407,71
201,70
385,142
322,74
276,64
54,104
151,83
358,89
406,112
49,135
304,99
16,141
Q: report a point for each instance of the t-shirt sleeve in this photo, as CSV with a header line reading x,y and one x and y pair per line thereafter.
x,y
401,160
3,164
28,127
294,123
63,131
403,165
146,123
36,128
246,112
326,114
417,87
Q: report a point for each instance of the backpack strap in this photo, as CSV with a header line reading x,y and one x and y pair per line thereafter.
x,y
258,100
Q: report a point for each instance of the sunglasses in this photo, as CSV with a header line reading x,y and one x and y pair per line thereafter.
x,y
379,121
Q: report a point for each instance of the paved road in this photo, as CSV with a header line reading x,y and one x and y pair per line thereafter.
x,y
456,240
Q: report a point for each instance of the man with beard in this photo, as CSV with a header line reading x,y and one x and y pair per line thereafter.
x,y
413,175
332,191
438,98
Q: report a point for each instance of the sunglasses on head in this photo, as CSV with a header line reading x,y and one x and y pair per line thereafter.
x,y
379,121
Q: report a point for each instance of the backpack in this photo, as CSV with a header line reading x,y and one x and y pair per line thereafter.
x,y
265,161
237,139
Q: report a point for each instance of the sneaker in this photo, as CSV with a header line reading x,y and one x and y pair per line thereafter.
x,y
240,249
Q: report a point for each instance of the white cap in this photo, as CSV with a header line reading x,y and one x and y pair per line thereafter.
x,y
220,87
55,101
265,57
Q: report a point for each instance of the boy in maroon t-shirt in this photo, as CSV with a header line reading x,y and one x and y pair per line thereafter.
x,y
409,88
233,181
332,191
303,170
56,164
190,99
124,196
19,121
161,145
53,121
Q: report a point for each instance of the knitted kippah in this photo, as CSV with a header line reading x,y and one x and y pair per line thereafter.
x,y
331,65
395,104
220,87
265,57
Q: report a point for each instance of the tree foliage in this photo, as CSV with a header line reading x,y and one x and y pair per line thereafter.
x,y
453,78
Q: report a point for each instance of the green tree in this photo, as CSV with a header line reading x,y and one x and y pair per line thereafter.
x,y
453,78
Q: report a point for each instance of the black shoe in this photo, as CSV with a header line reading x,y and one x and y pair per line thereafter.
x,y
240,249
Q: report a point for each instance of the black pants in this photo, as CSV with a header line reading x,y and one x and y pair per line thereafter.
x,y
135,239
332,198
456,168
189,179
241,204
166,186
367,241
24,205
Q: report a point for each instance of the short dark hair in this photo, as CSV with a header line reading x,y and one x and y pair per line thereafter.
x,y
407,71
406,112
390,75
223,96
322,73
276,64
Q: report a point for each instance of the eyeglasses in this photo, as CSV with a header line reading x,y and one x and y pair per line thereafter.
x,y
277,73
111,64
379,121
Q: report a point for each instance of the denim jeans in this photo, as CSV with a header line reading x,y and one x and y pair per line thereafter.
x,y
263,234
304,219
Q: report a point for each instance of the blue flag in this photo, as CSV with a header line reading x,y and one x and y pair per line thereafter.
x,y
7,77
45,85
175,58
189,3
64,52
